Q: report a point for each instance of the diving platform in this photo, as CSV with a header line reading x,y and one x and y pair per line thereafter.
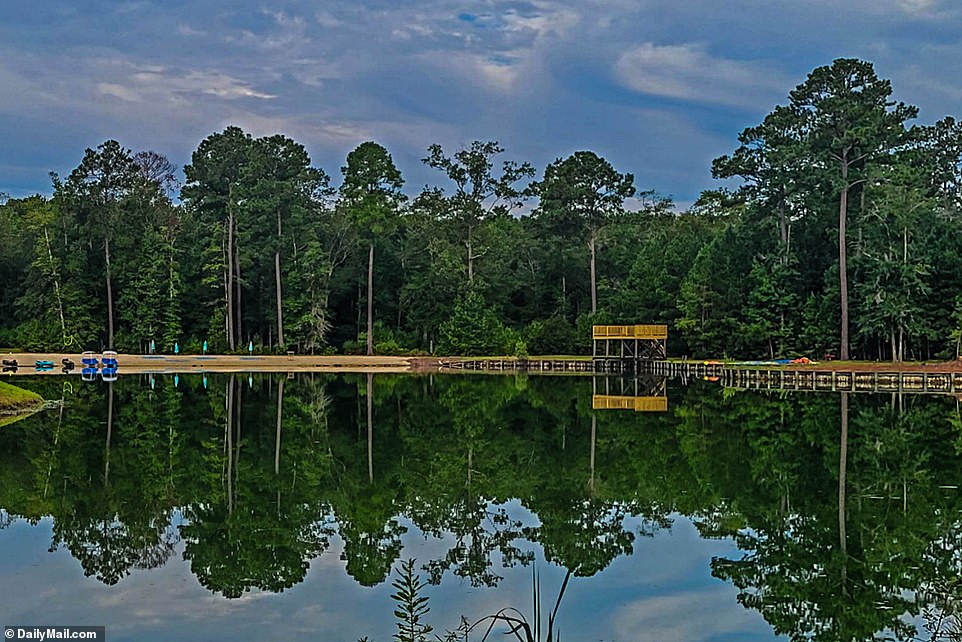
x,y
614,346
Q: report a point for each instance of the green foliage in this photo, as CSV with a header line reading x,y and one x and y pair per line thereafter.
x,y
552,336
412,607
472,329
520,349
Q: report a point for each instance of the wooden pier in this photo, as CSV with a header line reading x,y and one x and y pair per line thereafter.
x,y
521,365
803,379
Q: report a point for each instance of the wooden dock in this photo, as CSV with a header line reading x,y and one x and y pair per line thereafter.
x,y
788,378
521,365
803,378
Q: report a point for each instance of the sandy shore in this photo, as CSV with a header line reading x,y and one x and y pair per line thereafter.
x,y
135,363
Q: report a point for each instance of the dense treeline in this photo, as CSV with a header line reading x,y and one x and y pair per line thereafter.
x,y
840,234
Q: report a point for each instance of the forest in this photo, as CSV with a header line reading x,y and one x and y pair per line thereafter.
x,y
835,230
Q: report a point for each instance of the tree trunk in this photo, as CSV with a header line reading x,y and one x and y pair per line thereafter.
x,y
564,295
56,285
228,442
842,257
238,325
110,297
229,282
470,257
239,405
594,440
905,260
594,290
277,279
370,427
842,465
370,299
277,436
783,226
110,429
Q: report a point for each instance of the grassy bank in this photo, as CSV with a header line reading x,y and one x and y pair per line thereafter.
x,y
14,400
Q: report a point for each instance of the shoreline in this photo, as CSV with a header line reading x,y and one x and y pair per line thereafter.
x,y
221,363
185,364
17,403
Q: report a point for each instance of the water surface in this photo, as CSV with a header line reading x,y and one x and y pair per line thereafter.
x,y
268,507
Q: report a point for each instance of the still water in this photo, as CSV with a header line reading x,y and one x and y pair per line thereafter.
x,y
275,508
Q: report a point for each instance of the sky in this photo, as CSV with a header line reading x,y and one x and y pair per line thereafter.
x,y
658,87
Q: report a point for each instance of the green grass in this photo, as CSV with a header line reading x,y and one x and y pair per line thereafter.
x,y
14,400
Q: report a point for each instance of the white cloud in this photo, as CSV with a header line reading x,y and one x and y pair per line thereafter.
x,y
118,91
915,6
316,129
327,20
157,83
187,30
500,74
688,72
547,23
687,617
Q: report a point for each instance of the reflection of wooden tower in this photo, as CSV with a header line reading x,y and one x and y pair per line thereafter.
x,y
629,342
646,393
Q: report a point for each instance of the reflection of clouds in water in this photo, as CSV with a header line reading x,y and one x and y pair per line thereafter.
x,y
686,617
664,591
696,607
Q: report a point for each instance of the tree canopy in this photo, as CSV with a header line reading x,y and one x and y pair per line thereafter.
x,y
839,235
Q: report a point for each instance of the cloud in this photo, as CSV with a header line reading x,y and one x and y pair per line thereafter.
x,y
545,23
119,91
660,87
915,6
687,72
156,82
478,71
687,617
187,30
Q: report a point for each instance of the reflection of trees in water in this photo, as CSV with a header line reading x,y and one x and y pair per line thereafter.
x,y
119,519
158,549
369,554
872,571
942,592
481,531
261,525
844,535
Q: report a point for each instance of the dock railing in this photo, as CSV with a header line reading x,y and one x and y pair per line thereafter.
x,y
629,332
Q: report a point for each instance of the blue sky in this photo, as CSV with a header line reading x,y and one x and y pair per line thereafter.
x,y
657,87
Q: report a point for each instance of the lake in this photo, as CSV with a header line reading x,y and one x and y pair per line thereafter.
x,y
226,507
